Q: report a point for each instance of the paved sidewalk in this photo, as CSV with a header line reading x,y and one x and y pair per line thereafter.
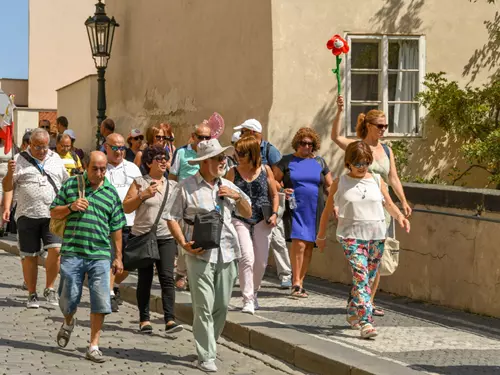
x,y
28,340
423,337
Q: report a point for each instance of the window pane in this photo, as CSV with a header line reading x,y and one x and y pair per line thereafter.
x,y
356,110
403,86
364,86
403,54
403,118
364,55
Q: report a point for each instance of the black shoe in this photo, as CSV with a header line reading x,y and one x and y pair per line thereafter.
x,y
173,328
116,290
114,304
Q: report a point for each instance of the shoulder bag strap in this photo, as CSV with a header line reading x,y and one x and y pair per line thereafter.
x,y
221,199
32,161
387,151
163,203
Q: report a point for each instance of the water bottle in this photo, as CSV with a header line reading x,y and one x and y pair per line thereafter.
x,y
292,202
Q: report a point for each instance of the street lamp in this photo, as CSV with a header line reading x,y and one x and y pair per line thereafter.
x,y
101,30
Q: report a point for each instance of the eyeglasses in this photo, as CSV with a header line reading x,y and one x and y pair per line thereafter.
x,y
65,147
170,139
203,137
381,126
138,138
160,158
117,148
40,148
242,154
306,144
361,165
220,158
45,127
161,138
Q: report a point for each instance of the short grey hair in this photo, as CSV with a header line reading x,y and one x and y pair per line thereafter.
x,y
39,133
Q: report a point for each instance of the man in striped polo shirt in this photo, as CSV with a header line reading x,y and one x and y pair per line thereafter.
x,y
86,248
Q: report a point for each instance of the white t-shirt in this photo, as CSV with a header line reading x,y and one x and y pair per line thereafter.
x,y
121,177
34,193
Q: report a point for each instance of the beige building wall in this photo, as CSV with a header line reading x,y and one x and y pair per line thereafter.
x,y
78,102
59,50
304,88
24,119
18,87
268,60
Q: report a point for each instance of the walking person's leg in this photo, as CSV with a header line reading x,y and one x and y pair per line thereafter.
x,y
29,237
297,257
281,255
143,294
225,276
201,276
53,244
116,280
70,292
376,252
246,264
309,246
100,304
181,282
165,267
261,239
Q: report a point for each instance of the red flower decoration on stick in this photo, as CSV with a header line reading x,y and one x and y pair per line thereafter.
x,y
338,46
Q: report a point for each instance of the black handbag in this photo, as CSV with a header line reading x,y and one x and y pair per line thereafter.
x,y
208,228
142,251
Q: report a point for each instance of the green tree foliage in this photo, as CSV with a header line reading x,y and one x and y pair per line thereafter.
x,y
470,114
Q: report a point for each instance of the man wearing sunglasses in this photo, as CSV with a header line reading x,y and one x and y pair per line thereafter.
x,y
180,170
121,174
270,155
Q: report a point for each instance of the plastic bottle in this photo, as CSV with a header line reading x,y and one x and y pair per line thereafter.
x,y
292,202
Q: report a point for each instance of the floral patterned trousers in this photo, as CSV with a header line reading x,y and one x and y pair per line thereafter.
x,y
364,259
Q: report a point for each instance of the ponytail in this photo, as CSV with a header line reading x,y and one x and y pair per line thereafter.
x,y
364,119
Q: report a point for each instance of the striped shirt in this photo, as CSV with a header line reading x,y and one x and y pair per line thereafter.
x,y
87,234
194,196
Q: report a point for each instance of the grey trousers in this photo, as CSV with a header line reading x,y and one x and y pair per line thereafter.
x,y
279,246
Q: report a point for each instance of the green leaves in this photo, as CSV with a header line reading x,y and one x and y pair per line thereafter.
x,y
471,114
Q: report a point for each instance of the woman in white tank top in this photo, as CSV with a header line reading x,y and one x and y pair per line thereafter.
x,y
360,198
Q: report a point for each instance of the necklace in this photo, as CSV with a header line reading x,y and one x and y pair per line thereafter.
x,y
363,192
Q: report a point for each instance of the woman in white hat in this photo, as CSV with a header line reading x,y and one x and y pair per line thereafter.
x,y
134,141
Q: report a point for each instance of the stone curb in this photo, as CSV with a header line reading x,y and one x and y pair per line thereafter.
x,y
304,351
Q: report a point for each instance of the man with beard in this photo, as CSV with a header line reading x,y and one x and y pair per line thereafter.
x,y
211,272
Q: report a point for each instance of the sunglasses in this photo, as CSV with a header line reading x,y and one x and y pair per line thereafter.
x,y
220,158
161,138
138,138
242,154
306,144
361,165
117,148
45,127
160,158
203,137
381,126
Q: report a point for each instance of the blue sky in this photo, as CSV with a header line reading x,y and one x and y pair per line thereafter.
x,y
14,43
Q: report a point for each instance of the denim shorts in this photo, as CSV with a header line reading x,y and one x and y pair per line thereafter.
x,y
73,271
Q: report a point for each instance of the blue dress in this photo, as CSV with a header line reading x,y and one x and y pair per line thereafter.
x,y
306,177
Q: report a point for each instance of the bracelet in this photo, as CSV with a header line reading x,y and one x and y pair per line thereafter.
x,y
321,239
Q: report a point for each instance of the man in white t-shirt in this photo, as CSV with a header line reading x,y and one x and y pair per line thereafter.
x,y
121,174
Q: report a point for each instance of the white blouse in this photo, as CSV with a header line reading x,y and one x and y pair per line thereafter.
x,y
361,210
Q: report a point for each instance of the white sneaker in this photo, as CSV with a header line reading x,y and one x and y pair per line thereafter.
x,y
33,301
207,366
248,308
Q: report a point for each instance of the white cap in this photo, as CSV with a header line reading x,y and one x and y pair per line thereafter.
x,y
236,137
251,124
71,133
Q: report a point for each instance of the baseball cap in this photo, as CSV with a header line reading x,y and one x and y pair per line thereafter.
x,y
236,137
251,124
135,133
71,133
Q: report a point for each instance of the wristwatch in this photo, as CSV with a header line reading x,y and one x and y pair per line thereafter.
x,y
69,207
274,213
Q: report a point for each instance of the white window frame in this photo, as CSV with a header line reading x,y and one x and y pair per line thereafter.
x,y
383,41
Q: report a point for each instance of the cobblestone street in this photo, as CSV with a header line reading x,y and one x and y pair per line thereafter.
x,y
28,340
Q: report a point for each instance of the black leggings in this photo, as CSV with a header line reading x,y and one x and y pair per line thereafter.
x,y
165,267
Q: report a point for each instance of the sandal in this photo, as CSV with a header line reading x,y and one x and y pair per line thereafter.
x,y
368,331
377,311
64,335
353,322
303,293
296,292
147,329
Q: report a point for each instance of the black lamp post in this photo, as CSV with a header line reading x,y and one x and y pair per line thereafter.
x,y
101,30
